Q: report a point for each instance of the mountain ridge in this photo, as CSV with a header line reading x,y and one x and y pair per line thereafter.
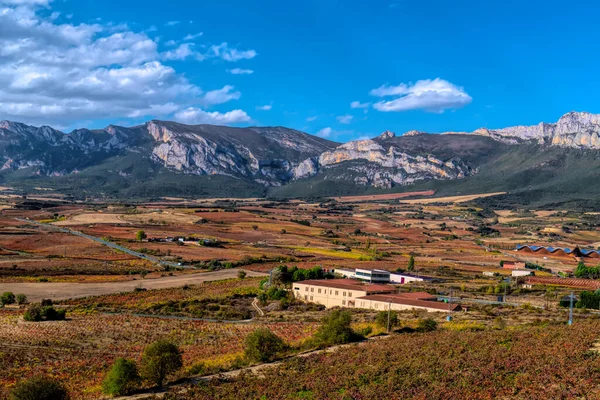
x,y
166,157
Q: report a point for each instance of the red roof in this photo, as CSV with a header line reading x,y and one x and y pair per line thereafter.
x,y
417,296
411,302
349,284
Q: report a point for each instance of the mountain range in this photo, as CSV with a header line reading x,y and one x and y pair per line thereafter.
x,y
548,163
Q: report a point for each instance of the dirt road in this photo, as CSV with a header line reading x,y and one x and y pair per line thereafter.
x,y
36,291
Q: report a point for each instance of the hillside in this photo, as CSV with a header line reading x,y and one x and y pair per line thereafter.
x,y
551,164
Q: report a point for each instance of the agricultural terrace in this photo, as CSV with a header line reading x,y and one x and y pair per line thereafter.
x,y
546,361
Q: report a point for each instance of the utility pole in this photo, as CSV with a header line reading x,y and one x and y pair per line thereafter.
x,y
449,317
571,310
389,314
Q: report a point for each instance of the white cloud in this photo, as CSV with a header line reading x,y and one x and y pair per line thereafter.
x,y
434,95
172,23
310,119
344,119
266,107
358,104
325,132
193,36
194,115
182,52
67,73
25,2
221,96
229,54
240,71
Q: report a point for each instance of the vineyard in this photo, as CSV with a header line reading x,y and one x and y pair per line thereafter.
x,y
79,351
144,301
533,362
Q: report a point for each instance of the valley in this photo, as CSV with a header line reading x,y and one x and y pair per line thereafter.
x,y
210,260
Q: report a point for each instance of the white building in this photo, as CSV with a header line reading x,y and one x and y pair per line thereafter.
x,y
400,278
373,275
522,272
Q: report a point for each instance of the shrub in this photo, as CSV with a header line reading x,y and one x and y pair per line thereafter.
x,y
382,319
159,360
122,378
52,314
426,325
36,313
21,298
242,274
262,345
33,313
7,298
140,235
39,388
335,329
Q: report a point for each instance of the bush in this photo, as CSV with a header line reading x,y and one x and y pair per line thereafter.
x,y
335,329
52,314
140,235
39,388
36,313
21,299
159,360
7,298
382,319
426,325
242,274
122,378
262,345
33,313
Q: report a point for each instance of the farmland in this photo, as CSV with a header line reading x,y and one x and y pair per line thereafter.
x,y
213,257
535,362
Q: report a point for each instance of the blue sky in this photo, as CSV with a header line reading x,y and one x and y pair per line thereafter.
x,y
429,65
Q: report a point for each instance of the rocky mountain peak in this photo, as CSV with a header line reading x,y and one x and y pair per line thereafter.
x,y
387,135
574,129
414,133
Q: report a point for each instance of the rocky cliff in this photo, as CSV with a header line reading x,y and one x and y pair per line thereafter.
x,y
381,163
574,129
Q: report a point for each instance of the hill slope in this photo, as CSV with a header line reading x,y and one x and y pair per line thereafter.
x,y
162,158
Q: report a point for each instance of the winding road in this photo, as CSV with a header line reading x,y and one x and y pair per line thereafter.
x,y
104,242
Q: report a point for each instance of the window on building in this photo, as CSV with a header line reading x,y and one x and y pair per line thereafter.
x,y
319,290
311,298
343,302
312,289
337,293
349,294
344,294
306,289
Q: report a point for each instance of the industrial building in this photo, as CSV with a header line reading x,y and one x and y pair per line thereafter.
x,y
355,294
381,276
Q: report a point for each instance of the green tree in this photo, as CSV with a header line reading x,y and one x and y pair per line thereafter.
x,y
122,378
242,274
140,235
21,298
159,360
262,345
426,325
382,319
33,313
335,329
7,298
39,388
411,264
